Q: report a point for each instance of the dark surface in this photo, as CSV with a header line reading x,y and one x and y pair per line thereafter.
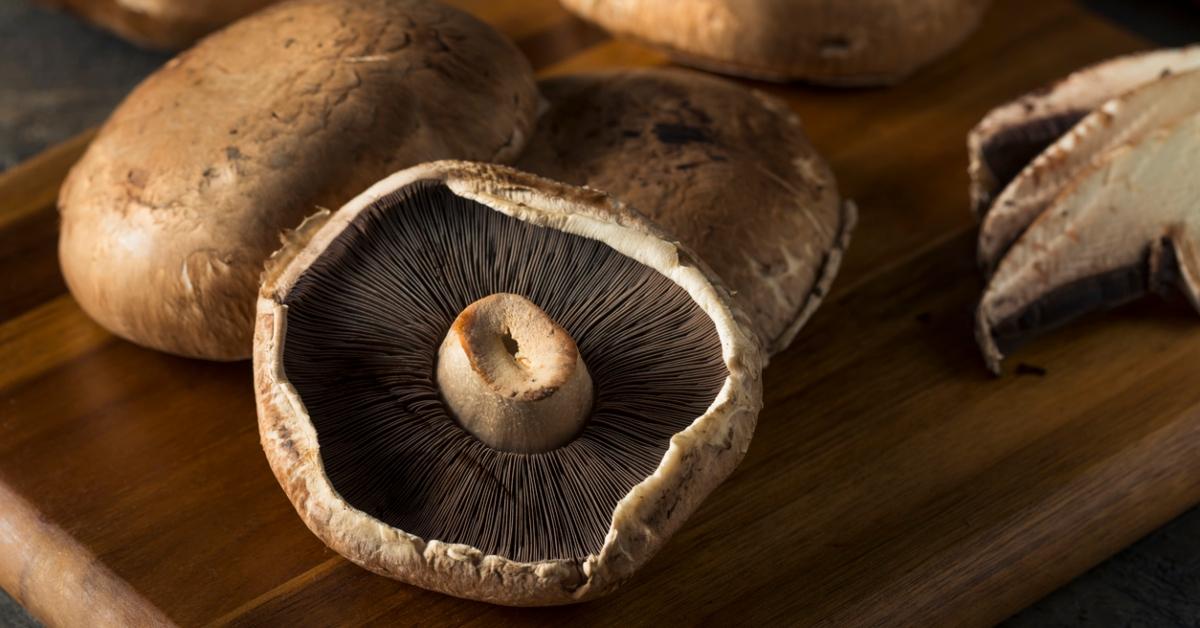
x,y
58,77
1156,582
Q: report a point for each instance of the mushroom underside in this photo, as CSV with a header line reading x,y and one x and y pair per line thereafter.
x,y
364,324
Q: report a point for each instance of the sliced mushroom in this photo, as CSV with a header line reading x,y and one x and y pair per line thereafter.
x,y
1126,224
727,170
163,24
410,355
836,42
1147,107
168,216
1009,137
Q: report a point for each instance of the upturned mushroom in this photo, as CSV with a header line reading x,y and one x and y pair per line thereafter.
x,y
168,216
835,42
162,24
1012,135
1108,213
728,171
496,386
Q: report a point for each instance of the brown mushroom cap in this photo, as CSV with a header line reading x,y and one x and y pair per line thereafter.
x,y
350,317
1010,136
837,42
162,24
168,216
727,170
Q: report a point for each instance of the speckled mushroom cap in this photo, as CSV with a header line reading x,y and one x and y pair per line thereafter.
x,y
338,291
836,42
163,24
168,216
729,171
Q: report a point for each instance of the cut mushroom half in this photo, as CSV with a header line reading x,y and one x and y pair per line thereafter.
x,y
847,42
1127,224
727,170
1120,120
499,387
1012,135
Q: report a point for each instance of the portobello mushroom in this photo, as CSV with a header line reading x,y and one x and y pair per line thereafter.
x,y
496,386
834,42
1124,224
728,171
168,216
1012,135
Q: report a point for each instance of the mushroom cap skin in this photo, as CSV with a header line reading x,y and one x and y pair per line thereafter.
x,y
729,171
832,42
1116,122
1126,224
161,24
696,460
1011,135
169,215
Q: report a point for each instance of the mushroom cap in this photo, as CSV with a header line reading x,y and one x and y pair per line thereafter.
x,y
162,24
695,460
168,216
1013,134
836,42
728,171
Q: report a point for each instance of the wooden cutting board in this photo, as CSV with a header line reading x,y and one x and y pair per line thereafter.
x,y
891,479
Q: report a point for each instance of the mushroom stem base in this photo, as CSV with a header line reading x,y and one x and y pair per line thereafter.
x,y
513,377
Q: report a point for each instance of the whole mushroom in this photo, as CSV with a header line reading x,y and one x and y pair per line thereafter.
x,y
727,170
496,386
835,42
167,218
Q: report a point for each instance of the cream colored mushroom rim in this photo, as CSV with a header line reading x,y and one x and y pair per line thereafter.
x,y
544,204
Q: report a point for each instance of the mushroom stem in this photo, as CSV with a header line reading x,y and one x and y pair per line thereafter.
x,y
513,377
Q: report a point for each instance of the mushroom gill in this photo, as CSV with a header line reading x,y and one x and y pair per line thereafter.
x,y
364,325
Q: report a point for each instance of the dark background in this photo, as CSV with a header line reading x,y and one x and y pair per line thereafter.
x,y
59,77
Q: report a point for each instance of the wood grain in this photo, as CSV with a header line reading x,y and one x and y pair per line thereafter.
x,y
892,480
